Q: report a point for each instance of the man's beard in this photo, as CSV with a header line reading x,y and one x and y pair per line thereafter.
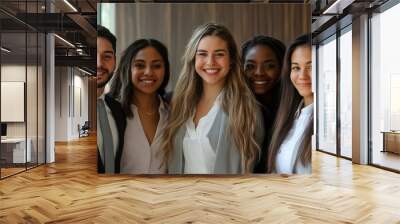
x,y
103,84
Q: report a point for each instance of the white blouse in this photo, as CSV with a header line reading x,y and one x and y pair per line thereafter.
x,y
138,156
293,140
198,153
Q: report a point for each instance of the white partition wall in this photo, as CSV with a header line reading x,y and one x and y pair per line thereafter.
x,y
71,102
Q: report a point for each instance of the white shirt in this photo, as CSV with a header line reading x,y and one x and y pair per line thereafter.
x,y
138,156
293,140
199,155
113,127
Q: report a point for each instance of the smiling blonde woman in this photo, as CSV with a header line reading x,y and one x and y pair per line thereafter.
x,y
215,125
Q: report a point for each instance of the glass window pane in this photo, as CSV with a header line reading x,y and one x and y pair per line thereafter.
x,y
385,84
41,98
327,96
14,146
31,97
346,94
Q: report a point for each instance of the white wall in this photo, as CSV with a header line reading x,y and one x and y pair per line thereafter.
x,y
61,103
15,73
33,126
69,85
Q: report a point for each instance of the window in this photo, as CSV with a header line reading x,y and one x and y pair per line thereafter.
x,y
326,104
345,42
385,88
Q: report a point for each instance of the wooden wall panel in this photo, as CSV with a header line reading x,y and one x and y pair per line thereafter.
x,y
173,24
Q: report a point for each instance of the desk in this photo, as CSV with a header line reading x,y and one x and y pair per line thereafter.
x,y
391,141
13,150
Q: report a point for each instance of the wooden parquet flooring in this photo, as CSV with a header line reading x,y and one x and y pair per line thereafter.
x,y
70,191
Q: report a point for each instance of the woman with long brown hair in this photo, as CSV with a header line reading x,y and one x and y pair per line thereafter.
x,y
215,124
290,149
139,85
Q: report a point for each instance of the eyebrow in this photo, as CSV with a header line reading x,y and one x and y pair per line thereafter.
x,y
141,60
309,62
268,60
218,50
108,52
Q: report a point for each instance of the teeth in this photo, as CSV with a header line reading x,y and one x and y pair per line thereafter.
x,y
260,82
211,70
147,81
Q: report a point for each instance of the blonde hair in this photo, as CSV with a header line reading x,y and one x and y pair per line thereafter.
x,y
237,99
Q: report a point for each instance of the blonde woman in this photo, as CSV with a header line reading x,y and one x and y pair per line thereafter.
x,y
215,125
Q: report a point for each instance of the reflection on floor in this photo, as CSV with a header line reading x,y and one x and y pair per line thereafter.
x,y
10,169
386,159
70,191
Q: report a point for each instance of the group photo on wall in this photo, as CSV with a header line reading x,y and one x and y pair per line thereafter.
x,y
204,88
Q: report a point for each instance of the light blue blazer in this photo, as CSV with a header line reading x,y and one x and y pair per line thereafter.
x,y
228,160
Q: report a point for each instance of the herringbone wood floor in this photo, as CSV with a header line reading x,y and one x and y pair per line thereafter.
x,y
70,191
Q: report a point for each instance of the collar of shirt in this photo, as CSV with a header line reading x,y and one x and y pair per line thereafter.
x,y
300,109
162,108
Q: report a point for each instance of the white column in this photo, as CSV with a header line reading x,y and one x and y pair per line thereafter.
x,y
360,90
50,99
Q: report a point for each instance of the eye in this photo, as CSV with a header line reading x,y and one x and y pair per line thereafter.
x,y
139,65
156,66
220,54
107,56
249,67
269,65
201,54
295,68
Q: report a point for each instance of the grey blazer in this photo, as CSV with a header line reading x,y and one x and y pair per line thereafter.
x,y
228,158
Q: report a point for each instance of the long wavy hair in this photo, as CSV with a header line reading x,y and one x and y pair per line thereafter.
x,y
289,103
237,99
122,87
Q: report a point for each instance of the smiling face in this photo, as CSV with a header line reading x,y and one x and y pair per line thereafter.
x,y
262,67
148,71
105,61
301,71
212,60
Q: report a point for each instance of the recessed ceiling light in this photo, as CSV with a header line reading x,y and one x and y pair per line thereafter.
x,y
5,50
70,5
86,72
64,40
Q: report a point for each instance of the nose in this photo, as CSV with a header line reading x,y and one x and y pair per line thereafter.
x,y
148,70
211,60
259,70
304,73
99,61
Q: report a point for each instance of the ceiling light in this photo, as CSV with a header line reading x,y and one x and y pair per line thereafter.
x,y
5,49
70,5
337,7
84,71
65,41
